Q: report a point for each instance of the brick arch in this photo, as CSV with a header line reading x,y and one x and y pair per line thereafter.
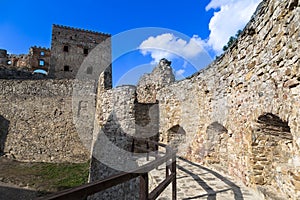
x,y
271,146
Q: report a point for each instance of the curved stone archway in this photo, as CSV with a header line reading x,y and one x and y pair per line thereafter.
x,y
271,149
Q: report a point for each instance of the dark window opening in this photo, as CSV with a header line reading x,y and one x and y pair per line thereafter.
x,y
66,68
41,62
66,48
85,51
42,53
89,70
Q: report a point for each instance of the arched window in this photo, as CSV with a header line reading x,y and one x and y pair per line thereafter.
x,y
40,71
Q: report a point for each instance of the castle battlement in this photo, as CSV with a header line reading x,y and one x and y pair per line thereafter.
x,y
40,48
81,30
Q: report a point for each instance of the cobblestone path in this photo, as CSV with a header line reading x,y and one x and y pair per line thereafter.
x,y
197,182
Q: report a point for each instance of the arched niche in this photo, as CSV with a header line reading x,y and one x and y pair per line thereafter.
x,y
271,149
176,135
215,143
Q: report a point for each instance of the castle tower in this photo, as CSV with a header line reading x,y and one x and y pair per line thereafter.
x,y
70,46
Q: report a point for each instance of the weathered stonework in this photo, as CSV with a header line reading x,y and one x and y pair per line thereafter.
x,y
114,129
39,118
120,119
241,113
37,58
46,119
150,84
69,48
259,76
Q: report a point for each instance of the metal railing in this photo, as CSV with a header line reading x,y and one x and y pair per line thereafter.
x,y
83,191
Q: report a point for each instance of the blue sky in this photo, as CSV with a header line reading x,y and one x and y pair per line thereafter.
x,y
180,25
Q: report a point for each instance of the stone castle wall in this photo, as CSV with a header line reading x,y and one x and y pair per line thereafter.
x,y
21,61
37,58
120,119
52,120
114,126
38,118
243,111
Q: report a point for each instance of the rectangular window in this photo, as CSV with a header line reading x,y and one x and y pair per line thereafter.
x,y
41,62
66,48
85,51
66,68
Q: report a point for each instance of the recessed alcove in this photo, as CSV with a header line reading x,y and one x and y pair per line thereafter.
x,y
271,149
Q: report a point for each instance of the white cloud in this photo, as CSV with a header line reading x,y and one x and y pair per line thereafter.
x,y
169,46
179,72
231,16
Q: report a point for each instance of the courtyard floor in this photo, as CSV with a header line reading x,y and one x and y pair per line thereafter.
x,y
197,182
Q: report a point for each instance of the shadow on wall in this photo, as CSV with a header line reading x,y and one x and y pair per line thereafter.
x,y
110,156
4,125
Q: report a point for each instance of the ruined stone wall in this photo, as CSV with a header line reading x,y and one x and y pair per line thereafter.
x,y
37,116
39,58
120,119
53,120
70,46
10,73
219,108
114,128
18,61
150,84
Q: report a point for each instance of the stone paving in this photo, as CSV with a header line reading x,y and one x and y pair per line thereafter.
x,y
197,182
